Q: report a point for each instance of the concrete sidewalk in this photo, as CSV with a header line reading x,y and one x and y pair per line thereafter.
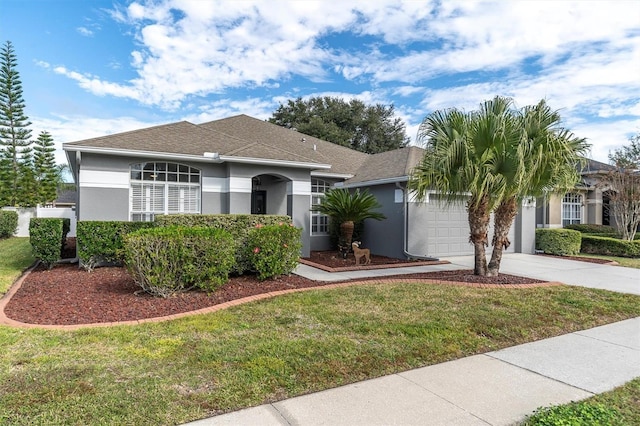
x,y
495,388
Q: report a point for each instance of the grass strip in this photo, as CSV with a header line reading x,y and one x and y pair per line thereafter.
x,y
15,257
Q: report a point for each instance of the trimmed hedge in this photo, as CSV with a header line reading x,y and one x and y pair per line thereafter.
x,y
590,228
171,259
46,236
273,250
610,246
100,242
239,225
562,242
8,223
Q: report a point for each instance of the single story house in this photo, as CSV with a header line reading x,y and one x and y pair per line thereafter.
x,y
245,165
587,203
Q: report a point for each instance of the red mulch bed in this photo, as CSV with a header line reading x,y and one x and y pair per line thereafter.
x,y
67,295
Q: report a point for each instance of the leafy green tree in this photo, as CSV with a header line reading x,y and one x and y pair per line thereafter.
x,y
627,156
348,208
496,155
14,132
26,183
353,124
46,173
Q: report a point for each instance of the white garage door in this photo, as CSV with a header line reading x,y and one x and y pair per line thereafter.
x,y
438,230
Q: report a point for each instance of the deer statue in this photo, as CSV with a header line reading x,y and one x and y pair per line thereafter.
x,y
359,253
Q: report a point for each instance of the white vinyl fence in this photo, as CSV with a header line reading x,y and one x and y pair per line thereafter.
x,y
25,214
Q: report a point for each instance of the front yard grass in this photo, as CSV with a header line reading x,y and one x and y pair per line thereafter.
x,y
15,257
173,372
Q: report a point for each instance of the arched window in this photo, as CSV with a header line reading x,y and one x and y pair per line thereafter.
x,y
571,209
319,222
163,188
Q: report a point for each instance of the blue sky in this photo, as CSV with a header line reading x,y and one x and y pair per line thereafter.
x,y
91,68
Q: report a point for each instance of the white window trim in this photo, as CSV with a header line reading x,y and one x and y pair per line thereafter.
x,y
166,186
569,213
325,185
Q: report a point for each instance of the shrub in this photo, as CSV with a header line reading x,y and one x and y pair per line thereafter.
x,y
167,260
575,414
239,225
8,223
610,246
45,235
563,242
100,242
273,250
590,228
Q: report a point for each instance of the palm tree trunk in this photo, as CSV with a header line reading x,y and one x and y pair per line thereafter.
x,y
479,225
346,232
503,218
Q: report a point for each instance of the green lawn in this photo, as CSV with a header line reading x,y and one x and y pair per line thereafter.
x,y
15,257
620,406
176,371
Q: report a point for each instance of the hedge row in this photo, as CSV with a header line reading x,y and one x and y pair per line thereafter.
x,y
47,237
8,223
100,242
590,228
562,242
239,225
610,246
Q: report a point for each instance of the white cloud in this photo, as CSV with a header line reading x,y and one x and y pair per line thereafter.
x,y
84,31
75,128
583,57
195,48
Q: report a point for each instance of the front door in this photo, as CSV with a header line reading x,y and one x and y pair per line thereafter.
x,y
259,202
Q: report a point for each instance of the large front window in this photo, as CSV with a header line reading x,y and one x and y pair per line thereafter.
x,y
319,222
163,188
571,209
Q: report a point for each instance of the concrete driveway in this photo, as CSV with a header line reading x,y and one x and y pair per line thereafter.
x,y
585,274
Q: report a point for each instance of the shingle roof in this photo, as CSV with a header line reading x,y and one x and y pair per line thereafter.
x,y
388,165
342,159
175,138
239,136
593,166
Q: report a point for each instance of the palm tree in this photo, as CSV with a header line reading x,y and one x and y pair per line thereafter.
x,y
497,156
347,208
546,157
460,162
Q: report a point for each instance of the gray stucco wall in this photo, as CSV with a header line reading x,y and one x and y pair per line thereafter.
x,y
385,237
301,219
104,189
214,203
104,204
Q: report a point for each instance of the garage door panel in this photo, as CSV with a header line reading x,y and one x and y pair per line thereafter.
x,y
438,230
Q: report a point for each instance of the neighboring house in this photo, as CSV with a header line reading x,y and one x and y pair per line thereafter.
x,y
245,165
65,196
587,203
